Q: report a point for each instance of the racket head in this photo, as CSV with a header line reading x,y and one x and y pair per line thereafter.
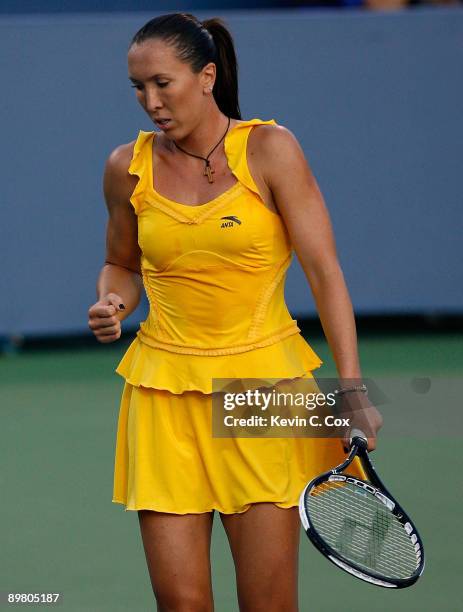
x,y
362,530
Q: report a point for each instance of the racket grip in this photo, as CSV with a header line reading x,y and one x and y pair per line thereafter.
x,y
358,437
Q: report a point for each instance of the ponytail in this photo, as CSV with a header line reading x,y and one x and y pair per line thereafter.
x,y
226,84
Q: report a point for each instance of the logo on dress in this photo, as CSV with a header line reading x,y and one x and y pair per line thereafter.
x,y
230,220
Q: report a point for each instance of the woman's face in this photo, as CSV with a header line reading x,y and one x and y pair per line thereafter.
x,y
167,88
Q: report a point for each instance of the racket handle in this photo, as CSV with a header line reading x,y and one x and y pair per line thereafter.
x,y
359,438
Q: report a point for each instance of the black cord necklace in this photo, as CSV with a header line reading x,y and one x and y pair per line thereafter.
x,y
208,171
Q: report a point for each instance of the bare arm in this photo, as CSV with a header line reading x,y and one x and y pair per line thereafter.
x,y
303,210
119,281
302,207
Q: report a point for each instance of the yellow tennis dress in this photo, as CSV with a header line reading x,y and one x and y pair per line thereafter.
x,y
214,275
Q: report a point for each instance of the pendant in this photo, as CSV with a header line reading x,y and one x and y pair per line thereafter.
x,y
208,171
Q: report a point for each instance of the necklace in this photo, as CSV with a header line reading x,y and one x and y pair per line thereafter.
x,y
208,171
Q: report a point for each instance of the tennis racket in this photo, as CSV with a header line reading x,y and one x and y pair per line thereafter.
x,y
359,526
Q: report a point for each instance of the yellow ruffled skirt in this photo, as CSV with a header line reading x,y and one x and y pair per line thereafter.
x,y
166,458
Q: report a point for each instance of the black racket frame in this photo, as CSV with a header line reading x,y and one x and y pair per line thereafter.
x,y
359,449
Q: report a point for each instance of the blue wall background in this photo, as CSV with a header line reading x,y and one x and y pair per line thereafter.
x,y
375,100
64,6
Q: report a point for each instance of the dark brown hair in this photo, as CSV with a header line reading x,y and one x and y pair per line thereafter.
x,y
198,44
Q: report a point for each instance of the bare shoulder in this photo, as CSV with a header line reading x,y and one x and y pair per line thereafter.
x,y
276,152
264,130
118,184
268,138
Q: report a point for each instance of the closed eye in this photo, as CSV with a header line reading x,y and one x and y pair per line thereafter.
x,y
138,86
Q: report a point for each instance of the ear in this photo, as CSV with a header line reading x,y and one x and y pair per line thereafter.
x,y
207,77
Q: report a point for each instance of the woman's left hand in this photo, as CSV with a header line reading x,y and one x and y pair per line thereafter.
x,y
362,415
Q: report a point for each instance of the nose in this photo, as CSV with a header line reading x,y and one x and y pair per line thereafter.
x,y
152,100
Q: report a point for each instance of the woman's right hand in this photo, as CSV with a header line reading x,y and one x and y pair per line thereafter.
x,y
103,319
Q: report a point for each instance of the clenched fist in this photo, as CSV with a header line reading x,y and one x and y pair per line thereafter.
x,y
103,318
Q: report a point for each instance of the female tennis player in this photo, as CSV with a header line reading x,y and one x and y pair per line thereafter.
x,y
203,214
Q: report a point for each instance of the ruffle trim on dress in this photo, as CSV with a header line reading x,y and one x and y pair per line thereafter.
x,y
146,366
136,168
235,146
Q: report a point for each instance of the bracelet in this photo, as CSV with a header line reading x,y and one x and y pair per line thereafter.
x,y
362,388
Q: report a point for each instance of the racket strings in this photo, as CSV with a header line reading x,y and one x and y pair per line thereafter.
x,y
370,556
377,522
371,504
379,564
364,531
358,526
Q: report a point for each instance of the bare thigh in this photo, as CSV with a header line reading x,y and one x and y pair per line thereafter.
x,y
177,550
264,542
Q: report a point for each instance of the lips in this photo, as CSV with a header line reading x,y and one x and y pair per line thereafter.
x,y
163,123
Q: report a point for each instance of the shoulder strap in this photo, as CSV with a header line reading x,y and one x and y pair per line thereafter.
x,y
235,149
137,167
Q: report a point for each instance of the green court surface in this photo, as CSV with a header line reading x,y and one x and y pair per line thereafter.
x,y
61,532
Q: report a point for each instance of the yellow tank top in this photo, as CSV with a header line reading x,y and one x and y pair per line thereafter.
x,y
214,276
